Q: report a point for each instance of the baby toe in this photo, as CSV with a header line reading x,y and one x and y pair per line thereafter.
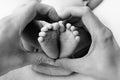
x,y
40,39
49,26
44,29
77,38
55,26
42,34
62,27
75,33
72,28
68,25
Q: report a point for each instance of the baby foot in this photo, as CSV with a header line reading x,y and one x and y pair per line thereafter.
x,y
69,40
48,39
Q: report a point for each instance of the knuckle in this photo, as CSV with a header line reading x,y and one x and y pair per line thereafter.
x,y
86,9
106,34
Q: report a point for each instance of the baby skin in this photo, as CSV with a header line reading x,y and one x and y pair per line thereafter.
x,y
48,39
58,40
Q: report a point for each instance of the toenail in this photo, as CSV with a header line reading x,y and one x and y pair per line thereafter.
x,y
49,26
68,25
44,29
73,28
75,33
42,34
77,38
40,39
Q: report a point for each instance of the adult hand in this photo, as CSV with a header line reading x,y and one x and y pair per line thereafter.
x,y
26,73
102,60
85,42
12,54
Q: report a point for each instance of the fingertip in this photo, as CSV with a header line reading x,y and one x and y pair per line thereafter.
x,y
53,14
65,14
94,3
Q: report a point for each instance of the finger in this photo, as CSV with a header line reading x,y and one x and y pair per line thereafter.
x,y
27,12
94,3
97,30
47,11
24,14
26,73
38,58
73,12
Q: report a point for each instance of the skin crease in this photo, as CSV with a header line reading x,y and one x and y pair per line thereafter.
x,y
27,73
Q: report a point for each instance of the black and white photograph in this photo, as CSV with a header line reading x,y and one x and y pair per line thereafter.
x,y
59,40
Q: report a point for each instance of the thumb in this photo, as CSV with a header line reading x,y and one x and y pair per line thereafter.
x,y
76,65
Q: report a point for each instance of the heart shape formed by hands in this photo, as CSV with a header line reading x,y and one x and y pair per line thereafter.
x,y
31,34
32,37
